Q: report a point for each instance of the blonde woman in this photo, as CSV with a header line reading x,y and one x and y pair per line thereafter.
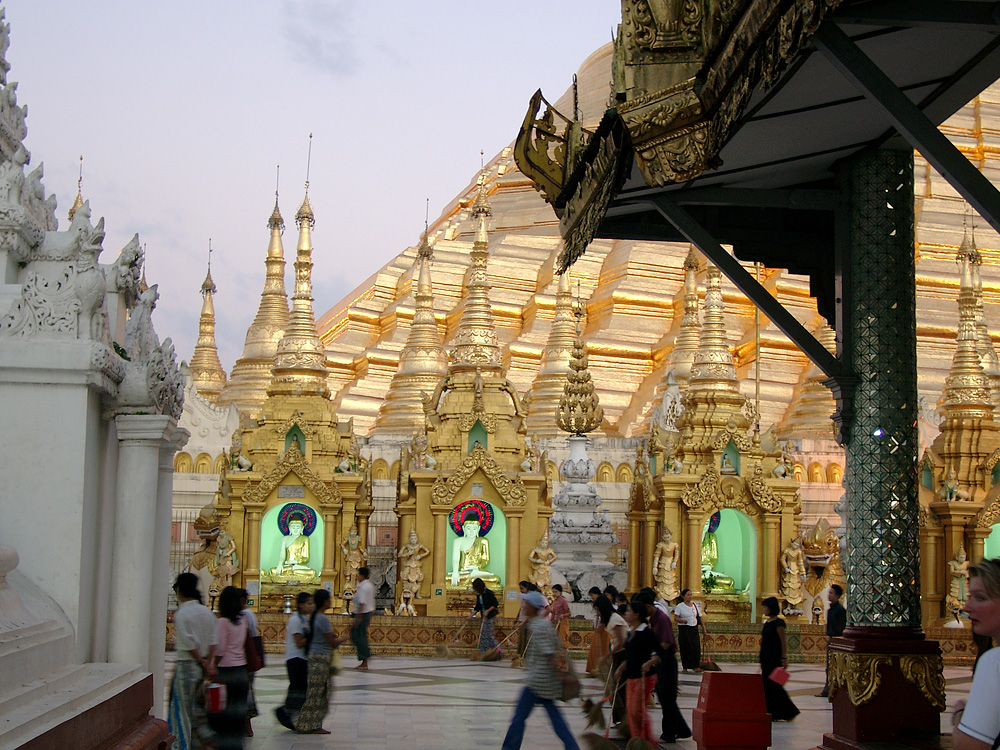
x,y
977,721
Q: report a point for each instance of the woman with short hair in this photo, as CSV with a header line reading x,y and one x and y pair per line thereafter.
x,y
774,654
977,721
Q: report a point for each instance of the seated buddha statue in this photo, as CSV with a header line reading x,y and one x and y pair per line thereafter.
x,y
722,584
470,555
294,556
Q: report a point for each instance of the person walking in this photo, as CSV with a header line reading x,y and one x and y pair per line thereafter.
x,y
251,619
836,621
195,638
616,631
673,727
639,670
976,722
232,632
321,640
522,618
296,662
774,654
598,650
544,680
364,609
487,606
559,612
687,616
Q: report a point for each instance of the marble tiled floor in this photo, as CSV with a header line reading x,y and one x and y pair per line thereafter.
x,y
435,704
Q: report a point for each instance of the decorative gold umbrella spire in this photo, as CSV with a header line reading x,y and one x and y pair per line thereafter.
x,y
300,362
713,368
78,201
251,376
476,342
812,406
967,388
547,386
422,363
987,352
579,410
685,349
206,369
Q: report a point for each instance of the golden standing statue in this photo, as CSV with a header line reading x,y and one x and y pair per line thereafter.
x,y
665,558
793,573
354,557
541,559
412,573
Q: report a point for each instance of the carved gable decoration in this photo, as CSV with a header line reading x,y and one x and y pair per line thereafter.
x,y
512,491
294,421
761,493
734,434
991,461
989,514
292,461
467,421
706,492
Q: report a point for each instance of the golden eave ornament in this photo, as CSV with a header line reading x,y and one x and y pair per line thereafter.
x,y
579,410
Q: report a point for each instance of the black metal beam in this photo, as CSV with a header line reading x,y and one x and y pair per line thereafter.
x,y
910,121
942,14
768,304
798,198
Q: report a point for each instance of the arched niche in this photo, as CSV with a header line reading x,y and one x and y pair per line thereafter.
x,y
220,461
798,472
816,473
183,463
296,434
991,545
479,435
496,536
394,470
552,471
736,542
380,469
203,464
729,461
271,537
624,474
834,474
605,472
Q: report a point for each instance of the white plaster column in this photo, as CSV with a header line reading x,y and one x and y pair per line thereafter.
x,y
174,439
140,438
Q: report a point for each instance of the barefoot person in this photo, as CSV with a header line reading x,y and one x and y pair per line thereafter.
x,y
321,640
195,637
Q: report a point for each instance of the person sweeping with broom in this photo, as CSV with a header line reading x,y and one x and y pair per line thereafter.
x,y
487,607
544,678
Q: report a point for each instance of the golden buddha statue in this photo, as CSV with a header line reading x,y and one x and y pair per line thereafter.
x,y
470,555
721,583
294,566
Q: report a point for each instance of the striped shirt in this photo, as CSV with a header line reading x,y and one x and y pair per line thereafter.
x,y
543,679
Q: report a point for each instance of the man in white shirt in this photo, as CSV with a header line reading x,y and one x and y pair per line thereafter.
x,y
195,638
364,608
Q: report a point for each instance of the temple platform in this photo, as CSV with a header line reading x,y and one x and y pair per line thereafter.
x,y
407,703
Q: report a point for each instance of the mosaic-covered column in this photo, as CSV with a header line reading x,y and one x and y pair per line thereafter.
x,y
885,677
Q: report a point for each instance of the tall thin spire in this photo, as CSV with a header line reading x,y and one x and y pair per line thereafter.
x,y
78,201
251,376
987,351
967,388
476,342
300,363
579,410
713,368
547,387
422,363
685,349
206,369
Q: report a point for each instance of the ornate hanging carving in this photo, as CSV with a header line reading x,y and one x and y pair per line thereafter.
x,y
761,493
926,671
512,491
859,673
706,492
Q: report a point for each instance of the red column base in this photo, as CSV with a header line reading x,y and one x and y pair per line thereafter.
x,y
887,685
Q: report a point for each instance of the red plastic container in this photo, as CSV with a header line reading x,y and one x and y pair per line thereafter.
x,y
731,713
215,698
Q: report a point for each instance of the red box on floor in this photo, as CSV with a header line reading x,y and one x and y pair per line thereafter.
x,y
731,713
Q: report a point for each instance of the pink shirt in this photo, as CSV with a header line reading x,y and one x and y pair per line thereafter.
x,y
559,609
231,647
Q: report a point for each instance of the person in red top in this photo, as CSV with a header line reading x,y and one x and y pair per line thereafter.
x,y
559,614
673,726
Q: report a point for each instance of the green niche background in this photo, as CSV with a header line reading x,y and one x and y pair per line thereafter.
x,y
271,538
479,435
737,542
497,539
991,547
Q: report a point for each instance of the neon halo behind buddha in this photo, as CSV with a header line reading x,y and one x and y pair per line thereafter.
x,y
470,553
296,522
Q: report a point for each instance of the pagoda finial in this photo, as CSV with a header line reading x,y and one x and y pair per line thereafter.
x,y
579,410
300,362
967,391
275,220
476,341
78,201
206,368
713,368
547,386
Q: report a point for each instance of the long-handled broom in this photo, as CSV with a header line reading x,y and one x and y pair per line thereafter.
x,y
494,653
517,659
445,650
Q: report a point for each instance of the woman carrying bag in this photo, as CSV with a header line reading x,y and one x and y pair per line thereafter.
x,y
687,617
320,642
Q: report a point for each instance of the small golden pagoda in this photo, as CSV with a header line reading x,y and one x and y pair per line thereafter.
x,y
206,368
708,510
464,493
297,493
960,472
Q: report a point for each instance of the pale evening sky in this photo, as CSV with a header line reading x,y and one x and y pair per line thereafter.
x,y
182,110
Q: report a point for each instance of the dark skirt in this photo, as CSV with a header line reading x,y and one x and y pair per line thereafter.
x,y
689,644
779,705
230,724
298,677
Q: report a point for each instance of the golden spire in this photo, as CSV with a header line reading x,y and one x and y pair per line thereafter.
x,y
79,193
987,352
579,409
547,386
685,349
247,386
422,363
476,342
713,368
300,363
967,388
811,409
206,369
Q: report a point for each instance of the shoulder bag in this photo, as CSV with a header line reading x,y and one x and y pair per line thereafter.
x,y
253,648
